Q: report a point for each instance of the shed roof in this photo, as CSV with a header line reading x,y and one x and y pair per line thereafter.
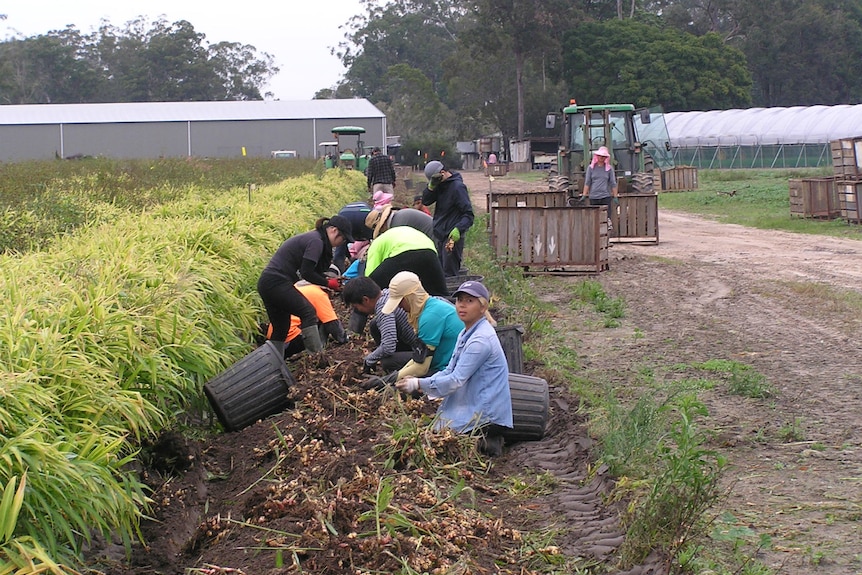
x,y
764,126
133,112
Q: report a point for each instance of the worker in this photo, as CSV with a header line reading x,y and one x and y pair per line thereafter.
x,y
474,386
328,323
434,320
389,217
392,333
306,256
405,249
355,212
600,183
453,214
380,173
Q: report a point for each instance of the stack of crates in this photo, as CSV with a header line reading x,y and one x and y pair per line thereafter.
x,y
847,165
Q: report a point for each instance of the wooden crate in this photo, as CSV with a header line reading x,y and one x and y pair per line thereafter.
x,y
496,170
679,178
635,219
814,198
526,200
847,158
849,195
551,240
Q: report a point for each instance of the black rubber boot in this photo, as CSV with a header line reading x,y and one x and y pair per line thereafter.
x,y
278,345
311,339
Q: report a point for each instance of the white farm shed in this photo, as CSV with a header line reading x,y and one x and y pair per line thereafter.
x,y
181,129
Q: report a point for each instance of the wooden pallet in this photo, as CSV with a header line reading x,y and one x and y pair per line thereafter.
x,y
551,240
679,178
847,158
814,198
635,220
849,195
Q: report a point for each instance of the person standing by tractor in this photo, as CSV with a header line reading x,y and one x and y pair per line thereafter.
x,y
600,183
453,215
380,173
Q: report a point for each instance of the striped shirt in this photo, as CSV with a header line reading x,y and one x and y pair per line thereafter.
x,y
394,327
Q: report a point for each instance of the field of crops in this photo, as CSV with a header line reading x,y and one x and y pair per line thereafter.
x,y
121,295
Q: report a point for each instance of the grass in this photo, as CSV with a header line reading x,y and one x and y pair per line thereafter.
x,y
760,200
108,337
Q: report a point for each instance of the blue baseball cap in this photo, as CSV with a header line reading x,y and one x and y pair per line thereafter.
x,y
474,289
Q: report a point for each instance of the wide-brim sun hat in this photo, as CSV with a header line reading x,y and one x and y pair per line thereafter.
x,y
603,151
401,285
376,219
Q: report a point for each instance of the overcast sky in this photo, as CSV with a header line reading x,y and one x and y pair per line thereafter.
x,y
297,33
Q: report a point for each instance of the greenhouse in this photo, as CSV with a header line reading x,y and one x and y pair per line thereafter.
x,y
795,137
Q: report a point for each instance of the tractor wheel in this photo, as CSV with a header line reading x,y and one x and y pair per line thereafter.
x,y
641,183
558,183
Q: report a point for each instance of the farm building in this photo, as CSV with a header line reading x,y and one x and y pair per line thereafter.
x,y
180,129
777,137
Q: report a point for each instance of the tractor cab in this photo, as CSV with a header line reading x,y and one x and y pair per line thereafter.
x,y
351,154
637,140
329,151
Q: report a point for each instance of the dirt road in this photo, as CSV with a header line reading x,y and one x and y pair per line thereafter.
x,y
788,305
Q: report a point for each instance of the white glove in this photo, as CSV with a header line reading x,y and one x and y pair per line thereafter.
x,y
408,384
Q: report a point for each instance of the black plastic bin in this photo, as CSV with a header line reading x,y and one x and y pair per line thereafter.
x,y
253,388
512,340
530,399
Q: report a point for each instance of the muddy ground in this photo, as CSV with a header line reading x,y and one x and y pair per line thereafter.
x,y
774,301
292,493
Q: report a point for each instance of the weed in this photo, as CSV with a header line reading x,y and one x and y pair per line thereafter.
x,y
742,379
792,431
685,486
592,292
629,437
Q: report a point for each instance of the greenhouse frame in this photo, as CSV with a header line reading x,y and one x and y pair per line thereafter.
x,y
795,137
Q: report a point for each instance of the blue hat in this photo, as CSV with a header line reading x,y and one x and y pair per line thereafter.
x,y
474,289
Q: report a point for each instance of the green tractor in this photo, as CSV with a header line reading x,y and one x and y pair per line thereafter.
x,y
637,140
348,158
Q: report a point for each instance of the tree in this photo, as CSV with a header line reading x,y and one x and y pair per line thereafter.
x,y
630,62
142,62
418,33
48,69
523,28
804,52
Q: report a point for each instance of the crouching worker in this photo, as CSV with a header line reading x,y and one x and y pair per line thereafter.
x,y
329,326
392,333
474,386
306,256
434,320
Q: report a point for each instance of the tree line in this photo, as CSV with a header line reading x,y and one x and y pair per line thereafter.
x,y
446,70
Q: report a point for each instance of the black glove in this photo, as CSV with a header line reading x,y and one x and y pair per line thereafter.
x,y
368,368
420,352
335,330
390,378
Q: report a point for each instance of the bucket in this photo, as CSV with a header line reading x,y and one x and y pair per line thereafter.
x,y
511,339
253,388
454,282
529,407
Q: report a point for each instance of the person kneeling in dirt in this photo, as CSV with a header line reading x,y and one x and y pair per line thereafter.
x,y
393,334
436,324
329,325
474,386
